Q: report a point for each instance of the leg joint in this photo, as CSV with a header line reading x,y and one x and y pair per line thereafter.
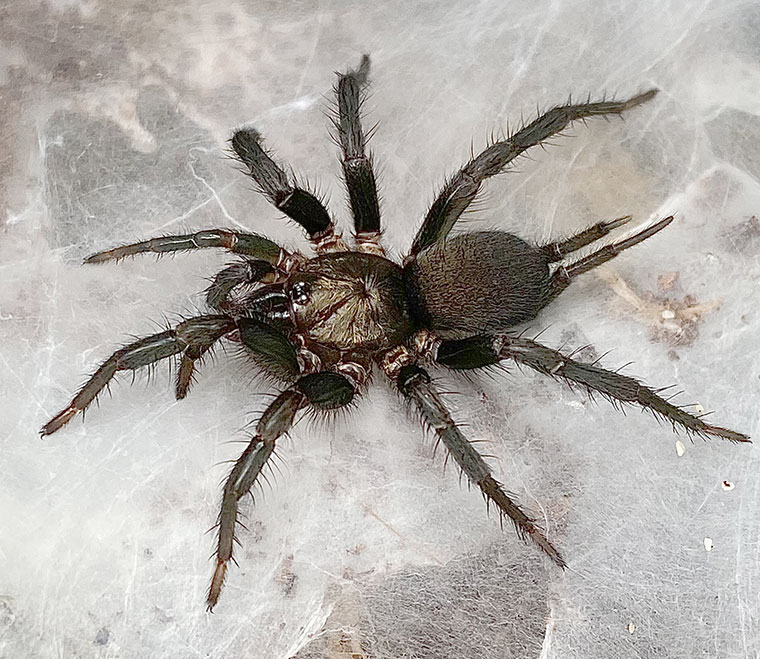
x,y
410,375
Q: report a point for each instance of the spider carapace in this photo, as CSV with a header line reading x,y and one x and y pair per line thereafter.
x,y
320,325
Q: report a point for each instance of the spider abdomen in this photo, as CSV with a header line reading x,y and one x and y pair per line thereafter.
x,y
477,282
349,301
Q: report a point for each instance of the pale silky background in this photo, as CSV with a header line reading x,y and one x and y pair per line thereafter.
x,y
114,119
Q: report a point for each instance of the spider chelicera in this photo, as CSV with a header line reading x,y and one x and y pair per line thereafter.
x,y
321,324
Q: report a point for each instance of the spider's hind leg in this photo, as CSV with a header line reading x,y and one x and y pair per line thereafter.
x,y
415,385
464,186
485,350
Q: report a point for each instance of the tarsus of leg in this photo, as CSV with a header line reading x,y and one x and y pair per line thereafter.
x,y
248,244
200,332
464,186
186,370
415,385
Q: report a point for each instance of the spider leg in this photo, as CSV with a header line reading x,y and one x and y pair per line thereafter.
x,y
557,251
298,204
357,165
324,391
276,420
415,385
484,350
565,274
462,189
197,334
247,244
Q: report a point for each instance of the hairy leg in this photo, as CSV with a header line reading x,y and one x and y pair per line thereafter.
x,y
462,189
197,333
298,204
357,165
276,420
566,273
324,391
415,385
557,251
247,244
481,351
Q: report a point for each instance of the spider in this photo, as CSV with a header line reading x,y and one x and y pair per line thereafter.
x,y
321,324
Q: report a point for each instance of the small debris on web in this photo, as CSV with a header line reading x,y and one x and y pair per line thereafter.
x,y
728,486
672,319
630,627
709,544
667,280
680,448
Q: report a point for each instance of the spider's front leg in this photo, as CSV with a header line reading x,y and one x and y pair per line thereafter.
x,y
486,350
415,385
245,244
193,337
357,164
298,204
323,391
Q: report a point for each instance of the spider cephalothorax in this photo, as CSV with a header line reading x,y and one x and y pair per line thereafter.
x,y
321,325
350,301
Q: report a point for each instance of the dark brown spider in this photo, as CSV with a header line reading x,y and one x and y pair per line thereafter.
x,y
321,324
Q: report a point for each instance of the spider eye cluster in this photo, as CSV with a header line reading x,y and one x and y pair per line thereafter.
x,y
300,292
